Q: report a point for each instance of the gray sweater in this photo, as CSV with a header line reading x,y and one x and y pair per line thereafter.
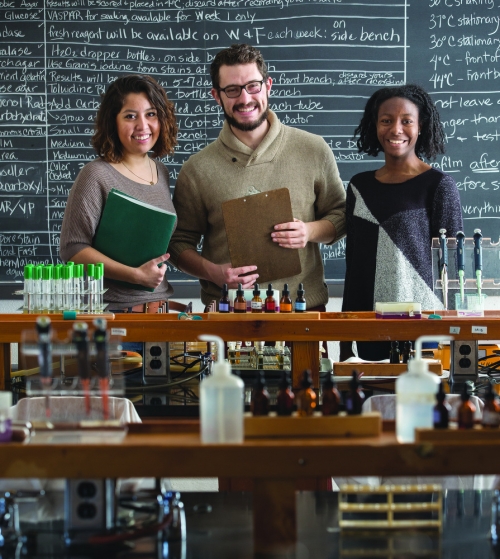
x,y
228,169
83,211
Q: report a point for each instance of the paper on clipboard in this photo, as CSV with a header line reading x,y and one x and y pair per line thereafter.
x,y
249,222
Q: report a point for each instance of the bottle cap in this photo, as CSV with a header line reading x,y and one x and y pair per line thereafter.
x,y
285,381
47,272
300,290
90,270
441,395
57,271
224,290
490,394
285,291
37,272
354,382
270,290
306,381
28,271
329,382
67,272
256,290
239,291
465,396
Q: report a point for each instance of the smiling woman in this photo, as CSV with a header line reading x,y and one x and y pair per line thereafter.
x,y
135,118
392,213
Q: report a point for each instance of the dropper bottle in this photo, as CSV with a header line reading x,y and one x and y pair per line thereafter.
x,y
300,301
221,401
270,302
240,303
285,397
260,396
441,410
286,301
224,300
415,394
256,302
306,397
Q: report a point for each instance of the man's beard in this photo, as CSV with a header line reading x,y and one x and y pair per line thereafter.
x,y
246,126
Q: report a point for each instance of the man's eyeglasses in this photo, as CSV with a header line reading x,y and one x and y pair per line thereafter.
x,y
233,91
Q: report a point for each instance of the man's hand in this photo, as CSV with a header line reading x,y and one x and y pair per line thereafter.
x,y
151,273
234,276
291,235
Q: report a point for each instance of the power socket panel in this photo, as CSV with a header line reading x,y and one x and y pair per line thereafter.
x,y
464,360
156,362
89,507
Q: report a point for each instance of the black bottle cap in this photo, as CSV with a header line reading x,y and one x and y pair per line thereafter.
x,y
441,395
256,290
260,381
329,382
354,382
270,289
394,345
306,381
224,290
490,394
239,291
285,291
300,290
465,395
408,346
285,381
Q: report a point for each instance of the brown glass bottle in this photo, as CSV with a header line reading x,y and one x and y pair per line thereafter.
x,y
441,413
330,397
466,410
240,303
285,301
270,302
407,349
491,410
260,397
285,398
355,397
256,302
306,397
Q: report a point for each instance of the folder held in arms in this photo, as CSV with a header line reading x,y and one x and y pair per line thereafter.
x,y
249,222
133,232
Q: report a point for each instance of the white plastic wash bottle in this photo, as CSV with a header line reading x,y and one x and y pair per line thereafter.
x,y
221,401
416,394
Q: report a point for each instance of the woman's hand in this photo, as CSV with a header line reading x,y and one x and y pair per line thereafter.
x,y
151,273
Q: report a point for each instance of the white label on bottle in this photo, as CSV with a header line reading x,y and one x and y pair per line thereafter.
x,y
479,330
257,305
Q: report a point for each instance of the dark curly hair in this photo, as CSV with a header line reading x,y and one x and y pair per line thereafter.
x,y
105,139
237,54
430,142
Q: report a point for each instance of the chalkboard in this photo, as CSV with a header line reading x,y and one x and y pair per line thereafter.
x,y
326,58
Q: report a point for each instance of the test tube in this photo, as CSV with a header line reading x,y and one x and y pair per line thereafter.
x,y
98,297
77,286
91,286
37,287
68,288
28,288
57,304
47,288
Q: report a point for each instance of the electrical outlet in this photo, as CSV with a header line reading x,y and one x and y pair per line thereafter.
x,y
156,362
155,399
464,360
89,507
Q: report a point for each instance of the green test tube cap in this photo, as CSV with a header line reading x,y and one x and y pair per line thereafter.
x,y
28,271
57,271
47,272
67,272
90,270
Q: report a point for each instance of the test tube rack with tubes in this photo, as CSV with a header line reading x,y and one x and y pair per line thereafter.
x,y
63,287
88,396
470,299
245,356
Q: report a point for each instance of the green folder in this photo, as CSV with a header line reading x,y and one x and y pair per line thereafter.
x,y
133,232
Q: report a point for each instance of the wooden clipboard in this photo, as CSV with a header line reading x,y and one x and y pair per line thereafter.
x,y
249,222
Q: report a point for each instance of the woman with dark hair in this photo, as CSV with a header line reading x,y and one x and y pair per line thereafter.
x,y
134,118
393,213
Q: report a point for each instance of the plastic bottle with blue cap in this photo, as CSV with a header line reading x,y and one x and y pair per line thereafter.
x,y
221,401
416,393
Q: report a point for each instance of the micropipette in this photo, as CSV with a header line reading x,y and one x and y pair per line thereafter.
x,y
81,341
478,259
444,265
102,362
461,263
43,329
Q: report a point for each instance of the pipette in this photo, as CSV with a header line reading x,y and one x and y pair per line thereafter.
x,y
43,329
102,362
81,341
478,259
461,263
443,243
